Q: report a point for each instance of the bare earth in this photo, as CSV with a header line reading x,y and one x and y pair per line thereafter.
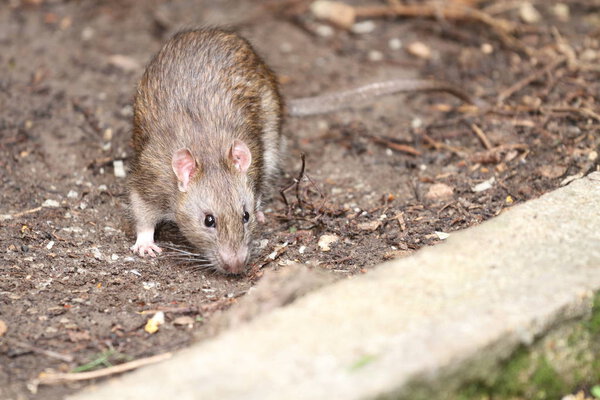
x,y
385,179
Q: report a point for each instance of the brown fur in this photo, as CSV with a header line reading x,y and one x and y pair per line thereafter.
x,y
202,90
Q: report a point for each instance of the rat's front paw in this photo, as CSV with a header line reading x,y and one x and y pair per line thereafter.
x,y
142,249
145,245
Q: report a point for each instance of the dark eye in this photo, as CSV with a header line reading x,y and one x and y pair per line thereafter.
x,y
210,221
246,217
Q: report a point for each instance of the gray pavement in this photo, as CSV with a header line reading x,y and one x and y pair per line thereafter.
x,y
455,308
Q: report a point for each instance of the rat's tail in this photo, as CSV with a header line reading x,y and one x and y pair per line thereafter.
x,y
347,98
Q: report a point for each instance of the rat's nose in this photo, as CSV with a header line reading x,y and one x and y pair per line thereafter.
x,y
234,261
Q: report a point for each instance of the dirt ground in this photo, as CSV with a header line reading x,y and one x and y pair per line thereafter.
x,y
381,180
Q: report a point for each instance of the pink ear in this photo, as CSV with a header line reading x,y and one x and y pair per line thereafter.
x,y
240,155
184,165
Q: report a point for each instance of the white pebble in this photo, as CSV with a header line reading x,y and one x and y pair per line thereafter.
x,y
302,249
416,123
375,55
326,240
72,194
50,203
363,27
395,44
102,188
119,168
324,30
114,257
485,185
50,244
442,235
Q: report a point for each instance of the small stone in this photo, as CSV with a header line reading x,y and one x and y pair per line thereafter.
x,y
326,240
119,169
340,14
148,285
5,217
324,30
552,171
593,155
87,33
528,13
442,235
419,49
72,194
395,44
302,249
83,205
124,63
114,257
184,321
485,185
50,203
416,123
107,134
363,27
375,55
439,191
102,188
96,253
561,11
50,245
369,226
487,48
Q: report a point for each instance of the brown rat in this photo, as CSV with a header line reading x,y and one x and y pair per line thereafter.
x,y
206,135
207,141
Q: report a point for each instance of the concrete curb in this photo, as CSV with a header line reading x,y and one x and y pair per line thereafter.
x,y
449,313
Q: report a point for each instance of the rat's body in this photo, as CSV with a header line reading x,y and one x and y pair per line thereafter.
x,y
207,121
207,141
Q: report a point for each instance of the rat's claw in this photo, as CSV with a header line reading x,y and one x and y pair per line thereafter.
x,y
146,248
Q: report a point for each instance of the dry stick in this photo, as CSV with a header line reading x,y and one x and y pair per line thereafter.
x,y
481,135
296,182
404,148
505,94
432,11
48,353
53,379
30,211
580,110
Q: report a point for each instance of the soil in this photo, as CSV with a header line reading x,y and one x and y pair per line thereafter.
x,y
380,180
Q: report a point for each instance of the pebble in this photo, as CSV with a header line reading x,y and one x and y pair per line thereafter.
x,y
72,194
439,191
419,49
50,245
528,13
442,235
119,169
50,203
561,11
124,63
487,48
102,188
324,30
375,55
395,44
363,27
326,240
87,33
337,13
485,185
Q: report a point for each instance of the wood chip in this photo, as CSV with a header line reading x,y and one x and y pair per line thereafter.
x,y
326,240
439,191
369,226
419,49
337,13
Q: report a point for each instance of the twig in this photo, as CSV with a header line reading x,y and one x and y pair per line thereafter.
x,y
56,378
481,135
296,183
392,144
30,211
528,79
48,353
579,110
452,11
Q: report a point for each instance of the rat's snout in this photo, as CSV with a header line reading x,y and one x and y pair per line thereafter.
x,y
233,262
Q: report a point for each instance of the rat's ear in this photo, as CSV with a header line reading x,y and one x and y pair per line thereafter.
x,y
184,165
240,156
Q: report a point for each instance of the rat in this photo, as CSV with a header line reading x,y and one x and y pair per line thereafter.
x,y
208,144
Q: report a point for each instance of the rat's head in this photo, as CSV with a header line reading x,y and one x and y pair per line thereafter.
x,y
216,206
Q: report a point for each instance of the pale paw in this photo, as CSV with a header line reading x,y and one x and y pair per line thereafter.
x,y
260,217
146,248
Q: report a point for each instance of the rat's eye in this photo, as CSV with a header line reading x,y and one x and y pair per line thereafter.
x,y
246,217
210,221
